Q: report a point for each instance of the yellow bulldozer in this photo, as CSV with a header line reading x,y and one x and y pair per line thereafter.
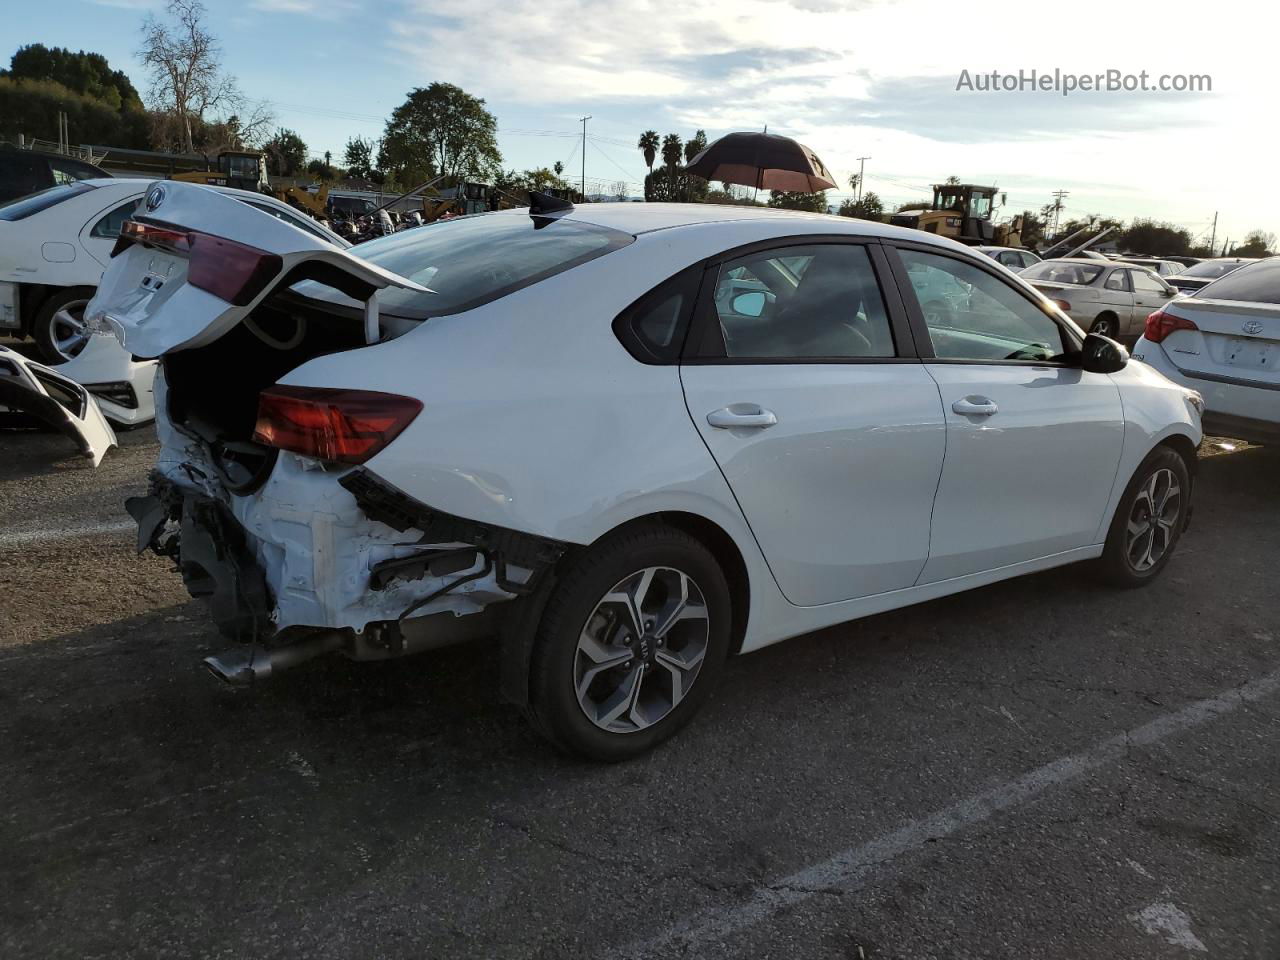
x,y
247,170
964,211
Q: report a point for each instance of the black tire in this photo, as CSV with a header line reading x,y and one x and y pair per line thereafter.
x,y
42,327
554,708
1117,566
1108,325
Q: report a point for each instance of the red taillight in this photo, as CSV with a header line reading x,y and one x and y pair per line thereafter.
x,y
1062,305
349,426
231,271
1161,323
234,272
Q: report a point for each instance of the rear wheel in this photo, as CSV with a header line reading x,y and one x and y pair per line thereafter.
x,y
631,644
1106,325
58,327
1149,520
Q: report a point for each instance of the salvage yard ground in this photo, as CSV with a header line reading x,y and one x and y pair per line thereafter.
x,y
1038,768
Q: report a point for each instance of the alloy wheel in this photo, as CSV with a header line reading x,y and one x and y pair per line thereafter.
x,y
68,332
641,649
1153,520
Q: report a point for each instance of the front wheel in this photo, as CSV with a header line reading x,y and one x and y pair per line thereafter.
x,y
631,644
1149,520
1106,326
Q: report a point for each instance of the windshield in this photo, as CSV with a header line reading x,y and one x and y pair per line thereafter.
x,y
473,260
1213,268
33,203
1062,271
1253,282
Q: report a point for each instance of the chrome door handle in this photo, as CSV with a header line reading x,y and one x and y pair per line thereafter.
x,y
741,415
975,407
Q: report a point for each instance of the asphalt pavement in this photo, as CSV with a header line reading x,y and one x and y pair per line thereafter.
x,y
1041,768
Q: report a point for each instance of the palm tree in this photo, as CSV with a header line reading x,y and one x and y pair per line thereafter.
x,y
695,145
649,146
672,151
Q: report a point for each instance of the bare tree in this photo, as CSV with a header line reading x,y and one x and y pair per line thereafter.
x,y
187,80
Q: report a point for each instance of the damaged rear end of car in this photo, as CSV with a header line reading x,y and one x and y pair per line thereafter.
x,y
263,494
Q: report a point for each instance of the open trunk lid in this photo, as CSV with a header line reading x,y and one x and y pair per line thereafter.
x,y
196,262
1233,339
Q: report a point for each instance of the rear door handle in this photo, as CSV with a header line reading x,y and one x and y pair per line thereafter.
x,y
975,407
740,415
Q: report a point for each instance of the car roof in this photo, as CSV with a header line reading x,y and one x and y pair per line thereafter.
x,y
639,218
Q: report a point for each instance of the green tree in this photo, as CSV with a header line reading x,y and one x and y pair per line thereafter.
x,y
672,151
31,108
695,145
358,157
648,145
1148,236
814,202
870,207
1257,243
286,153
441,130
84,73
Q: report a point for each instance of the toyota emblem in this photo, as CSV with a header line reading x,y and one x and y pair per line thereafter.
x,y
155,197
1252,326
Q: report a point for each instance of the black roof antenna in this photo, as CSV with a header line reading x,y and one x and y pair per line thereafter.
x,y
545,205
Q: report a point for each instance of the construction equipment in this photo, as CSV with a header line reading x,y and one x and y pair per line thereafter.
x,y
963,211
242,169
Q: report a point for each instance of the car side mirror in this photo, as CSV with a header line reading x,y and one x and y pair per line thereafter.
x,y
1102,355
749,304
1169,292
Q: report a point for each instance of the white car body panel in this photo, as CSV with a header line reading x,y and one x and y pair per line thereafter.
x,y
848,436
536,419
1030,480
102,362
24,386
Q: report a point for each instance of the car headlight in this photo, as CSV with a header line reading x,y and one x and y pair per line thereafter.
x,y
1195,402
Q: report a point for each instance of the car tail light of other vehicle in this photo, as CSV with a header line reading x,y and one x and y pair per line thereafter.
x,y
348,426
231,271
1062,305
1162,323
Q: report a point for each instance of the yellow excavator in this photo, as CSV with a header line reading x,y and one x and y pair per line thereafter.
x,y
247,170
963,211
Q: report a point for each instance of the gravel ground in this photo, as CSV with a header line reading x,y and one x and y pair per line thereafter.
x,y
1041,768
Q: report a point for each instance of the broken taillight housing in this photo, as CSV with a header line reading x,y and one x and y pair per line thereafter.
x,y
347,426
1162,323
231,271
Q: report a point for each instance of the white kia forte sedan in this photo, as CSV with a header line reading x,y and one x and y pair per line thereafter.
x,y
621,441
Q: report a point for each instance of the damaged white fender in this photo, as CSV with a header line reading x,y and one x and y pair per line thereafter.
x,y
31,388
176,281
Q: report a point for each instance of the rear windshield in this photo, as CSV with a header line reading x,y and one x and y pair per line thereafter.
x,y
1212,268
1059,271
1253,282
468,261
33,203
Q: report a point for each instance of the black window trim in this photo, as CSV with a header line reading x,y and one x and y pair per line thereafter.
x,y
704,344
921,329
690,279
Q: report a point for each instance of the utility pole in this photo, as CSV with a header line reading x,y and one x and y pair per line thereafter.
x,y
1213,236
1058,197
861,167
584,155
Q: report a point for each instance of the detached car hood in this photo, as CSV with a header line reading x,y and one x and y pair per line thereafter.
x,y
197,262
45,395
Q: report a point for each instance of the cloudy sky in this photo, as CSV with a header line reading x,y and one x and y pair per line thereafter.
x,y
850,78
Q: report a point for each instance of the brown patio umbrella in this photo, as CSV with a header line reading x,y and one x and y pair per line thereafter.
x,y
765,161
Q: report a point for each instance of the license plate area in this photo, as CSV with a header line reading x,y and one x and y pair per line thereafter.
x,y
1247,354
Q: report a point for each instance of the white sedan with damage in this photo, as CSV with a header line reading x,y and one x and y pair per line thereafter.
x,y
54,245
623,440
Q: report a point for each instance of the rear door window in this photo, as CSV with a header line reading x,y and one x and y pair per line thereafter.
x,y
108,227
27,206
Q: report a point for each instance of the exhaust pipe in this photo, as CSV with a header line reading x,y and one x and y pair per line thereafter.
x,y
248,665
